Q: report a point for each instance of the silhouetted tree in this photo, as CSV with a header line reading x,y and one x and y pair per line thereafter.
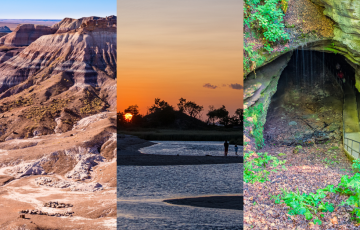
x,y
159,105
190,108
161,113
120,119
133,109
223,115
239,112
211,115
181,104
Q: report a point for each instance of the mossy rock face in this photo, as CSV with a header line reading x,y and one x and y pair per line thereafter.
x,y
346,14
260,88
341,36
345,39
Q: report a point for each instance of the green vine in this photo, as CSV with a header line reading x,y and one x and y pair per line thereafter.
x,y
252,118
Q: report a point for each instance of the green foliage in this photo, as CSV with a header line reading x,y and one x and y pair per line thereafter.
x,y
252,117
268,47
251,57
331,50
351,186
267,17
311,205
258,169
249,50
356,166
284,5
282,154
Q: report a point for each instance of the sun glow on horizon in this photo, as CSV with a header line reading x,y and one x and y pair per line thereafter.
x,y
180,49
128,117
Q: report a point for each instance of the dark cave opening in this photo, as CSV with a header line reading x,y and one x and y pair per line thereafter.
x,y
307,107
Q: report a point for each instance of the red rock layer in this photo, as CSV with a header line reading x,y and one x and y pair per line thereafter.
x,y
25,34
87,55
7,54
69,24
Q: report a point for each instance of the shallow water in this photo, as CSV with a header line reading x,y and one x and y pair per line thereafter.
x,y
193,148
142,189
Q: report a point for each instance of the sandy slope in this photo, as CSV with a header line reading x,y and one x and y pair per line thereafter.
x,y
63,158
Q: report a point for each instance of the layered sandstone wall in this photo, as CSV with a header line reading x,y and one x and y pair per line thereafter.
x,y
69,24
87,55
25,34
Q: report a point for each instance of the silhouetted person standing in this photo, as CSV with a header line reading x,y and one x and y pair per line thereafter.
x,y
226,145
236,149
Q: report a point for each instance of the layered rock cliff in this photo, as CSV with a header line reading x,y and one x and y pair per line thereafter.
x,y
66,75
58,124
69,24
25,34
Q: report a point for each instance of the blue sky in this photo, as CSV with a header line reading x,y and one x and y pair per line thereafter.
x,y
56,9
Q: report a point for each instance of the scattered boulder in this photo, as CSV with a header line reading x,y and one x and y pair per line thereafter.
x,y
73,186
55,204
39,212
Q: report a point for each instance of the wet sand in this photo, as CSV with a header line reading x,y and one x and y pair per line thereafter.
x,y
157,160
223,202
128,154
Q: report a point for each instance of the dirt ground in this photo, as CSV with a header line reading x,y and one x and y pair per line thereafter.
x,y
59,158
303,126
311,169
302,117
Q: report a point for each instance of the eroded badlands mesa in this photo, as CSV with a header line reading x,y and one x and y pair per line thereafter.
x,y
58,125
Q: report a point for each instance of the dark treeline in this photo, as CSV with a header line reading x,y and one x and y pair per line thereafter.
x,y
187,115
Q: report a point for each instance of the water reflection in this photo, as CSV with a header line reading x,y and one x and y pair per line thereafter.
x,y
142,189
193,148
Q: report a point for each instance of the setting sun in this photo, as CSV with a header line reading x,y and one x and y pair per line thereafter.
x,y
128,117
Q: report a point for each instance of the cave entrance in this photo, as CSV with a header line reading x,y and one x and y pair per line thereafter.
x,y
307,107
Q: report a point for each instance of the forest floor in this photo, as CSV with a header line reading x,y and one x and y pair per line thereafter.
x,y
310,169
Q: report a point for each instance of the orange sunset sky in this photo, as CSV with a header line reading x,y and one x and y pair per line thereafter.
x,y
170,49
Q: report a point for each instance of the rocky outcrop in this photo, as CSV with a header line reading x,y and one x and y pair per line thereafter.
x,y
346,38
72,185
335,30
58,80
25,34
39,212
322,25
89,57
5,29
69,24
57,118
258,91
7,53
